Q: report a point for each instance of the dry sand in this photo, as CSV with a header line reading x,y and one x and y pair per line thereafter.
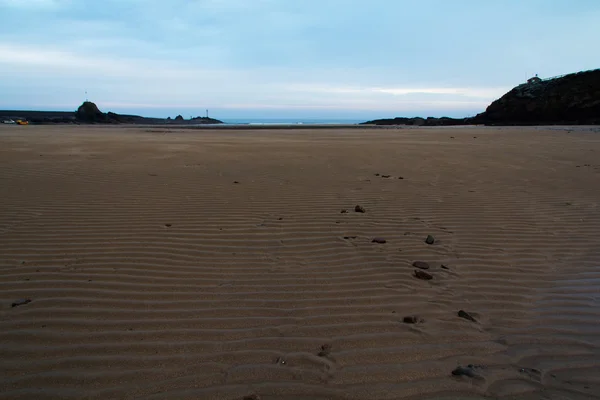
x,y
153,275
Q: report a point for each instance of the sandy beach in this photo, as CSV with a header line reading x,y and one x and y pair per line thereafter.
x,y
230,264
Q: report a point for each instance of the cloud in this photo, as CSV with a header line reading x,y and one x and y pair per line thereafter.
x,y
33,4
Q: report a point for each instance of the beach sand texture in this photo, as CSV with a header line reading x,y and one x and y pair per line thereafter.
x,y
183,264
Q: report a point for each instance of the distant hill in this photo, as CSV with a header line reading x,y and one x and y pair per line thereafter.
x,y
88,113
569,99
572,99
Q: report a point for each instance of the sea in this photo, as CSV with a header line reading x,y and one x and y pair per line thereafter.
x,y
291,121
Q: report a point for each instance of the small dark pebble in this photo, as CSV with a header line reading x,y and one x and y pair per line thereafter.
x,y
251,397
385,176
430,239
393,312
349,237
344,212
400,177
578,166
168,225
444,267
474,137
451,137
235,182
420,265
359,209
464,371
20,302
379,240
423,275
412,319
325,350
279,219
466,315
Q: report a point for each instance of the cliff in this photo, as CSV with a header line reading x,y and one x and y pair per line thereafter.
x,y
570,99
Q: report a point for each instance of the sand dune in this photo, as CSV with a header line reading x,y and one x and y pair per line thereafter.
x,y
218,264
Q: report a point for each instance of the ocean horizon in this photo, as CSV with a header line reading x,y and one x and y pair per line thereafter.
x,y
290,121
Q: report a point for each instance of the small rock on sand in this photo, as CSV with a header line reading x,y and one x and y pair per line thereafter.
x,y
168,225
465,371
423,275
325,350
412,319
420,265
251,397
430,239
466,315
379,240
344,212
20,302
360,209
236,182
385,176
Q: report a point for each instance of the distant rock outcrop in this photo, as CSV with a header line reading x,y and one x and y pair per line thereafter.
x,y
569,99
418,121
89,112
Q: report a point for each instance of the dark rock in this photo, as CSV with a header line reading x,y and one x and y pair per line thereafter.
x,y
412,319
236,182
465,371
344,212
423,275
20,302
379,240
325,350
168,225
377,174
360,209
89,112
430,239
420,265
418,121
400,177
466,315
251,397
445,266
385,176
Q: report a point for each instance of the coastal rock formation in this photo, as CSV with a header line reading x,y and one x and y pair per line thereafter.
x,y
418,121
569,99
572,99
89,113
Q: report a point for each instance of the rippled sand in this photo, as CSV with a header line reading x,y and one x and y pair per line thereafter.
x,y
152,274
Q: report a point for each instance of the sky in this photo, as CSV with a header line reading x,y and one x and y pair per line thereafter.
x,y
337,59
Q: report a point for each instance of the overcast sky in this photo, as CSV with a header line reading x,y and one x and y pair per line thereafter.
x,y
287,58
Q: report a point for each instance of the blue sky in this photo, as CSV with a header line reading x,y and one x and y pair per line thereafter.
x,y
287,58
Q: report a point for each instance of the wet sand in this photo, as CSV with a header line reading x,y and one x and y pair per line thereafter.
x,y
182,264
